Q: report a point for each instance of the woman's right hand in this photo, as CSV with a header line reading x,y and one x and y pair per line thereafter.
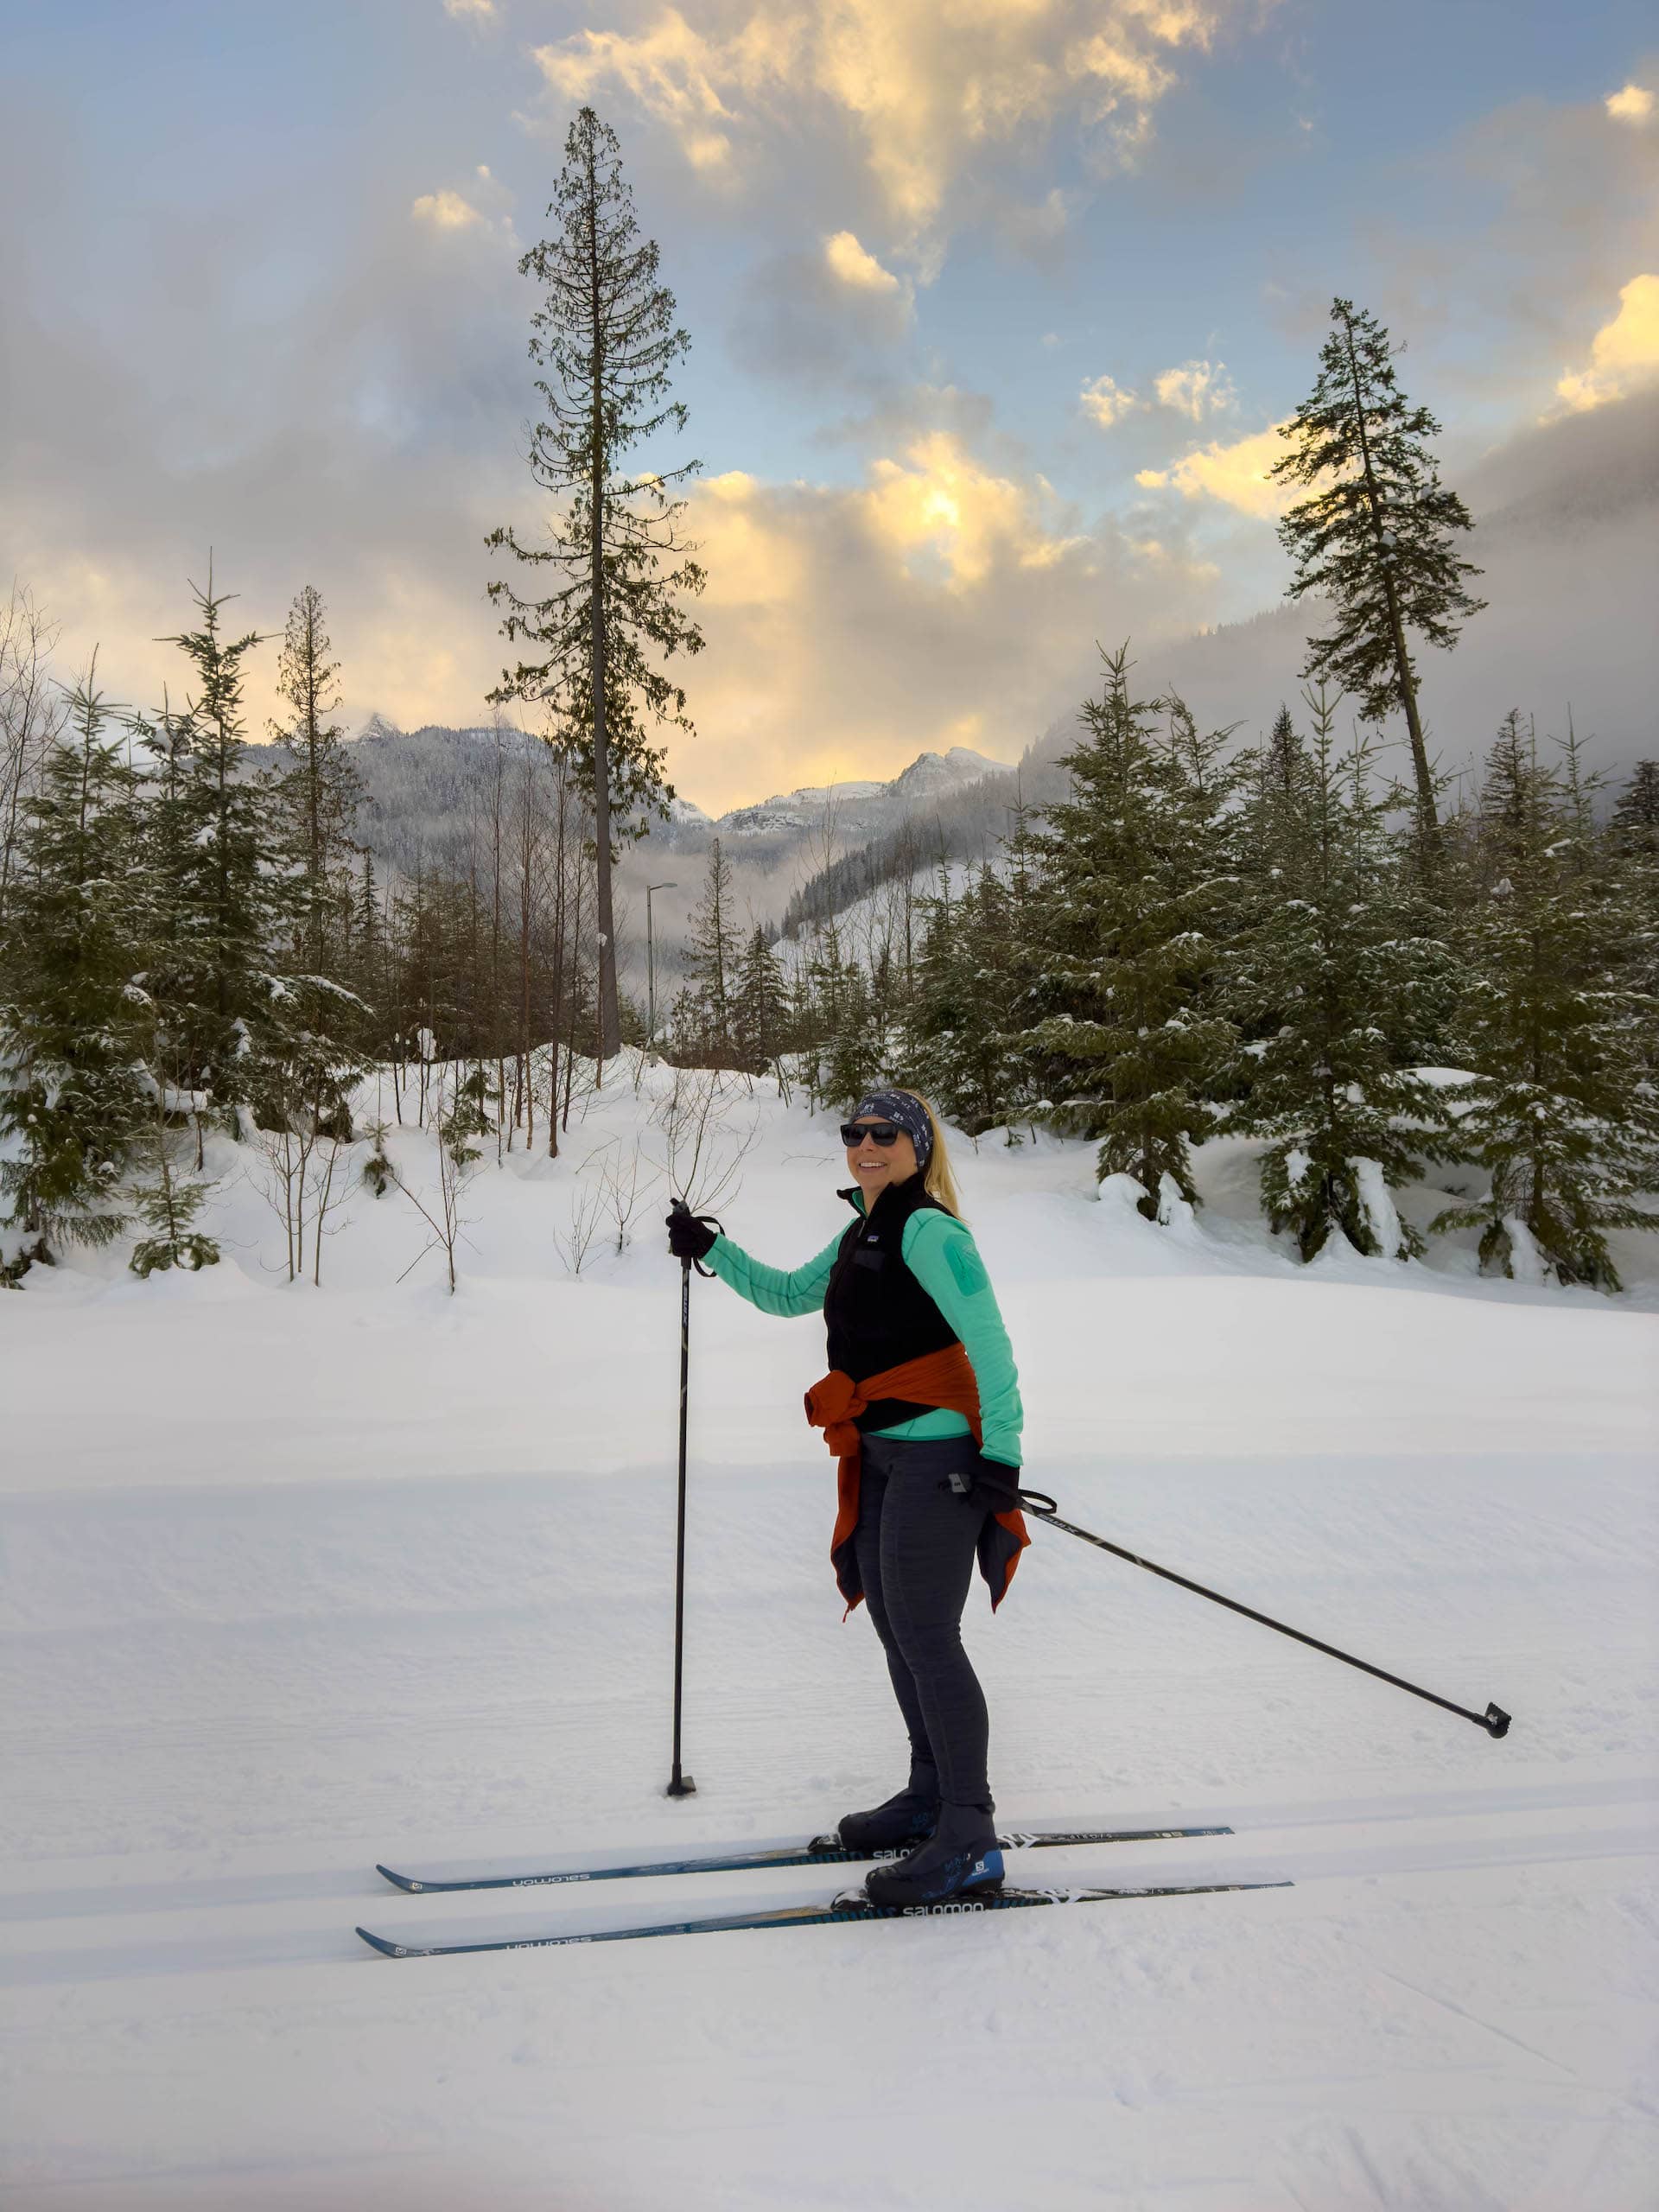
x,y
688,1237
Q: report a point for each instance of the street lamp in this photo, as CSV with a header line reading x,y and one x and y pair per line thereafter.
x,y
650,964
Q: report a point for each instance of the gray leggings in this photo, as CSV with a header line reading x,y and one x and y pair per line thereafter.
x,y
916,1545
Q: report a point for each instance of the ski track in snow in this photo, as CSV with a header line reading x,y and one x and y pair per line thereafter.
x,y
296,1581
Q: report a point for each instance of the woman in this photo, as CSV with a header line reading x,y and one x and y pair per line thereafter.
x,y
922,1404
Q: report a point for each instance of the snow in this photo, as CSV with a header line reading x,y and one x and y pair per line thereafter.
x,y
297,1580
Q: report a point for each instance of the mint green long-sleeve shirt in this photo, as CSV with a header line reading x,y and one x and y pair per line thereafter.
x,y
940,1252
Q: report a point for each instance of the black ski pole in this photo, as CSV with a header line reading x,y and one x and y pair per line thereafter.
x,y
1494,1720
679,1785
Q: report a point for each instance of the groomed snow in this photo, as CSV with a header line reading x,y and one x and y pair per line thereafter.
x,y
297,1580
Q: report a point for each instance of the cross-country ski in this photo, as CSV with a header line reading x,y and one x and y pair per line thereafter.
x,y
851,1907
822,1851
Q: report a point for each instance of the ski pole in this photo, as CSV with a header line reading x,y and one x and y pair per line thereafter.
x,y
1494,1720
679,1785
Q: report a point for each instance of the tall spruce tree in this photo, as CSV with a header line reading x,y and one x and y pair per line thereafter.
x,y
1324,982
1633,838
1559,1109
320,790
72,1094
1128,1039
228,889
605,337
712,961
760,1022
1375,535
958,1019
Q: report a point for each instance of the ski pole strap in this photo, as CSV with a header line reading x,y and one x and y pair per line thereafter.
x,y
1494,1720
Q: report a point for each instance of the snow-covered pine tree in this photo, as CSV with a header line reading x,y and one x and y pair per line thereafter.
x,y
1125,1040
1633,839
164,1194
72,1094
1329,958
761,1016
1559,1110
961,1009
1374,536
227,888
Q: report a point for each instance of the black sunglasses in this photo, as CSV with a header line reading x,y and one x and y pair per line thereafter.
x,y
854,1133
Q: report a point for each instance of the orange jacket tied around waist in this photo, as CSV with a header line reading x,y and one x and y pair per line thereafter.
x,y
939,1378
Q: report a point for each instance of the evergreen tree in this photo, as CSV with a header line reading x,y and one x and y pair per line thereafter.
x,y
1375,533
760,1014
320,790
605,337
72,1088
227,890
1128,1041
1559,1109
1326,976
958,1020
165,1196
711,963
1633,840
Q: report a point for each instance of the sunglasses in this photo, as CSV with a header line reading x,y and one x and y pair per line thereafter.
x,y
853,1134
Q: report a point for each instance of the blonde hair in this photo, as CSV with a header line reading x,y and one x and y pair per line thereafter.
x,y
937,1179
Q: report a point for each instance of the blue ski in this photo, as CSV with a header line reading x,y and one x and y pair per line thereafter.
x,y
850,1905
823,1850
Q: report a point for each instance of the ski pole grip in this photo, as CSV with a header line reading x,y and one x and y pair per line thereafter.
x,y
1495,1721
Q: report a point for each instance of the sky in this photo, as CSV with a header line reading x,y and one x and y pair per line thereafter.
x,y
993,307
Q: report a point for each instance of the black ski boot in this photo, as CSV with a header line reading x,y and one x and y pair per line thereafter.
x,y
910,1817
961,1859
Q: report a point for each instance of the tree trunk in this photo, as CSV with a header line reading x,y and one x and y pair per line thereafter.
x,y
1396,628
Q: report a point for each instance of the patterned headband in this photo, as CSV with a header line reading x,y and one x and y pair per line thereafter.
x,y
909,1113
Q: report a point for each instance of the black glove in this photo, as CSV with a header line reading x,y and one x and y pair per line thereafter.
x,y
690,1236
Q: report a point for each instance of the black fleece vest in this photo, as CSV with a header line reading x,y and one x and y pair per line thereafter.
x,y
878,1313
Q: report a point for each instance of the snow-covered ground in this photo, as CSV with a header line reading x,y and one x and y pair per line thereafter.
x,y
298,1579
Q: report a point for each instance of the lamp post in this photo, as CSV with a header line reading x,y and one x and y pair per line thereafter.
x,y
651,965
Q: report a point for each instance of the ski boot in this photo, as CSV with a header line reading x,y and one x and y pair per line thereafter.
x,y
909,1817
962,1859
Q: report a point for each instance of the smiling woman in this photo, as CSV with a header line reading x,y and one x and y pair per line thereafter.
x,y
920,1401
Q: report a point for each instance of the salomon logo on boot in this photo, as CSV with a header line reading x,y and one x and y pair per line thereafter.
x,y
962,1857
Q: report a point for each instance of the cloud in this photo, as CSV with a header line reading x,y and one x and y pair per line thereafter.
x,y
1195,388
472,11
1633,106
678,78
1624,353
1107,402
927,89
1235,474
445,211
849,626
848,261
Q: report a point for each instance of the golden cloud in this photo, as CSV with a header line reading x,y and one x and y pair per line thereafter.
x,y
1624,354
1195,388
928,84
848,261
1107,401
445,211
1236,475
849,626
1633,106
